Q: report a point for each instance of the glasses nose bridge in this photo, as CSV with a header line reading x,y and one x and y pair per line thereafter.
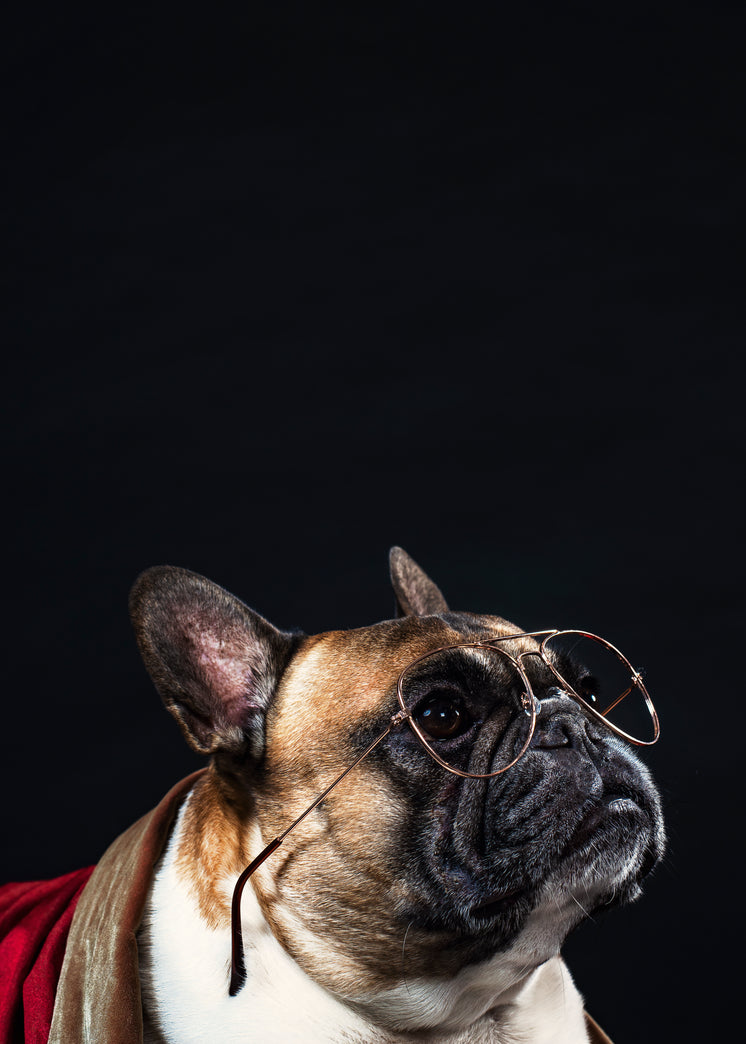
x,y
517,658
520,658
530,652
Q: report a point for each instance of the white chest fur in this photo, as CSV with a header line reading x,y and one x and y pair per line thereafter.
x,y
184,969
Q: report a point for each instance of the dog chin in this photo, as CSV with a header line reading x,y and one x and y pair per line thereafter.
x,y
614,847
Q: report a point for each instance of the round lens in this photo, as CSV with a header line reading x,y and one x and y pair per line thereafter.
x,y
605,680
471,708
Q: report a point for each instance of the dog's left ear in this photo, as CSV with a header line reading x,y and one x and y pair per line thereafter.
x,y
215,662
416,594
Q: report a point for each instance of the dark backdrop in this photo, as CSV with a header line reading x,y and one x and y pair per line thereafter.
x,y
289,286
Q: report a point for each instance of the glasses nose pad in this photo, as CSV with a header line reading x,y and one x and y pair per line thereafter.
x,y
555,692
526,701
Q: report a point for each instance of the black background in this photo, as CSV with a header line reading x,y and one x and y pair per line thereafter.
x,y
288,285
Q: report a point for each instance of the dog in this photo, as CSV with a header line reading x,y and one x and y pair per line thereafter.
x,y
411,903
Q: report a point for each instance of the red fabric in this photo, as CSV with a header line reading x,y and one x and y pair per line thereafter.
x,y
35,918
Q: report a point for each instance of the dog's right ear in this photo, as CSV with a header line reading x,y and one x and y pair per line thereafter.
x,y
416,594
215,662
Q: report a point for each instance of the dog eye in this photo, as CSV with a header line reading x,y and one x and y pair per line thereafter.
x,y
589,688
443,716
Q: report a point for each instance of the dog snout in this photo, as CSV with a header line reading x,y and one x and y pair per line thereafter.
x,y
559,723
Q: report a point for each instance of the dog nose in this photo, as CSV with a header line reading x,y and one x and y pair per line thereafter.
x,y
559,722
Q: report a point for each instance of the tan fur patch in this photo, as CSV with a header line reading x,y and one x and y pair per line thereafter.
x,y
212,849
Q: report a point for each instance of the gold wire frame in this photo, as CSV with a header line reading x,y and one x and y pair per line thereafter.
x,y
635,678
238,970
527,698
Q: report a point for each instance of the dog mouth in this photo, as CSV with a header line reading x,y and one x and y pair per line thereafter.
x,y
497,904
610,814
610,809
618,830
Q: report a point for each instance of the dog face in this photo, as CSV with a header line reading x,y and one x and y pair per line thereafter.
x,y
405,871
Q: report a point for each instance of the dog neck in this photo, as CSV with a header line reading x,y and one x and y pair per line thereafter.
x,y
524,994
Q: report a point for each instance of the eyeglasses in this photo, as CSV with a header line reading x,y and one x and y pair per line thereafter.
x,y
473,708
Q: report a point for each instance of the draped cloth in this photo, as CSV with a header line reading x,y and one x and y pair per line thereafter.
x,y
68,952
35,918
68,949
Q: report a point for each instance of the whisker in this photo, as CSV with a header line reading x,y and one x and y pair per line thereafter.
x,y
582,907
404,943
555,900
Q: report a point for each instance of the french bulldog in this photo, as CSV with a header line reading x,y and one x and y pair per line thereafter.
x,y
411,903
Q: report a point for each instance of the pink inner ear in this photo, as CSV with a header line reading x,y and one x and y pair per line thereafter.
x,y
230,667
218,661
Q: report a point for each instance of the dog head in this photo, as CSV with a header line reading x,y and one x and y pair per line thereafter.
x,y
405,873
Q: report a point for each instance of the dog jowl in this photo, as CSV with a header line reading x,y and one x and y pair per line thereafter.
x,y
428,894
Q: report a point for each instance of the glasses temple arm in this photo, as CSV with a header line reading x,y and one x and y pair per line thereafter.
x,y
238,966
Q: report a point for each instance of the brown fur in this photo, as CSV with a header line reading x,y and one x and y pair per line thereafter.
x,y
214,839
333,872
